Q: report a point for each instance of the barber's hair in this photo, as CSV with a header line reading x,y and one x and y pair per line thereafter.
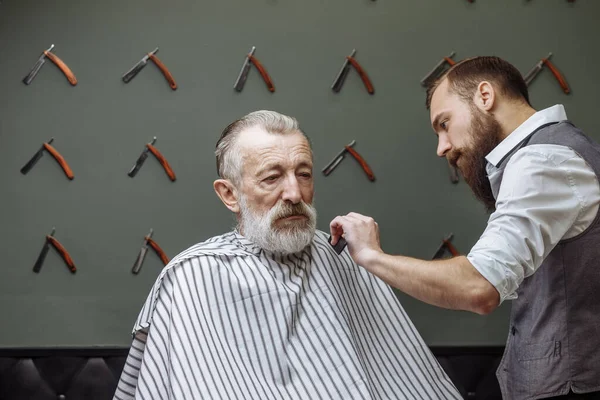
x,y
229,159
464,77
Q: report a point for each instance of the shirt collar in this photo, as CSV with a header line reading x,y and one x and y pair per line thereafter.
x,y
245,244
552,114
251,247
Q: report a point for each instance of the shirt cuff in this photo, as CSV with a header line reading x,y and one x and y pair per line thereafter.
x,y
495,273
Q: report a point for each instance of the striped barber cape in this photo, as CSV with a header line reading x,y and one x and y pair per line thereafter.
x,y
228,320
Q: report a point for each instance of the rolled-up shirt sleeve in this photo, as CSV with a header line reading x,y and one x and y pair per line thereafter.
x,y
545,190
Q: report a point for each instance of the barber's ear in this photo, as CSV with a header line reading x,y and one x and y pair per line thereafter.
x,y
485,96
227,193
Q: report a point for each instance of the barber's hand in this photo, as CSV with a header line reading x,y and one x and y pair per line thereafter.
x,y
361,233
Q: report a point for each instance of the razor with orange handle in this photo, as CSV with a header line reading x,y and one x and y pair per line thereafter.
x,y
437,71
142,158
348,149
339,80
243,76
537,69
446,245
57,61
52,241
129,75
57,156
137,266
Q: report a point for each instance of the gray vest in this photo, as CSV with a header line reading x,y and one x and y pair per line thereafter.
x,y
554,336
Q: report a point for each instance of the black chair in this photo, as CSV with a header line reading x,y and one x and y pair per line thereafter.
x,y
93,373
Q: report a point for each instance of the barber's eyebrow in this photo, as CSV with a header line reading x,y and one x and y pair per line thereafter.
x,y
437,119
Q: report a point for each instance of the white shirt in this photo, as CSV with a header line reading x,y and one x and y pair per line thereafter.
x,y
548,193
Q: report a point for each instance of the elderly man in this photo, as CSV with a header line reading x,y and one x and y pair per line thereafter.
x,y
270,310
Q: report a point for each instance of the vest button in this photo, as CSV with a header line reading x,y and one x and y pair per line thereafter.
x,y
513,330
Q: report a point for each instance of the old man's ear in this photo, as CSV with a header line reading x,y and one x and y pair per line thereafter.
x,y
228,194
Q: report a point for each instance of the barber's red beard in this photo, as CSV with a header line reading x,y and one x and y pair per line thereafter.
x,y
486,134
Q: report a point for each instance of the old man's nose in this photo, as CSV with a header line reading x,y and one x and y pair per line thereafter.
x,y
291,191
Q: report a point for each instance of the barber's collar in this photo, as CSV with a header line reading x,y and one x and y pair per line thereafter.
x,y
549,115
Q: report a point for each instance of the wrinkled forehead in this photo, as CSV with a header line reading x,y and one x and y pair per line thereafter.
x,y
255,143
257,138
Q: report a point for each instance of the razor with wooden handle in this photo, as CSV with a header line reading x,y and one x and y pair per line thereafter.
x,y
339,80
243,75
52,241
57,156
348,149
137,266
538,68
129,75
142,158
437,71
57,61
446,246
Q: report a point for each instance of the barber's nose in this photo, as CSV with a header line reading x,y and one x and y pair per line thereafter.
x,y
291,191
444,146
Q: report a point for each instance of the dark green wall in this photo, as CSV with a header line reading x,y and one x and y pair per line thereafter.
x,y
101,125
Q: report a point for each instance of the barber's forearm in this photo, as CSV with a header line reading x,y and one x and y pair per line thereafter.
x,y
453,283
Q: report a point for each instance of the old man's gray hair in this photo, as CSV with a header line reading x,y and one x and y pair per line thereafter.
x,y
229,159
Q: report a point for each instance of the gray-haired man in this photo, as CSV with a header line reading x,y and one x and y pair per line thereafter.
x,y
270,311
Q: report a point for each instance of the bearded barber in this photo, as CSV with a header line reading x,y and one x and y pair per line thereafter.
x,y
538,174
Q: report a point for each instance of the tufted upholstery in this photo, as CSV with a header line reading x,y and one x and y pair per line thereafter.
x,y
92,374
64,374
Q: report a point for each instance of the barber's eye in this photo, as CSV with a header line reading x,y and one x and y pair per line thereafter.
x,y
306,175
443,125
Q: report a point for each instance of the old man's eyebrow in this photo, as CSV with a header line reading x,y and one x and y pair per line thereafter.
x,y
278,167
305,164
267,168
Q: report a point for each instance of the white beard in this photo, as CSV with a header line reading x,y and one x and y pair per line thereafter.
x,y
278,236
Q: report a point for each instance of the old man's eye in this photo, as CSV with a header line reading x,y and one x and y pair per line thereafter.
x,y
271,178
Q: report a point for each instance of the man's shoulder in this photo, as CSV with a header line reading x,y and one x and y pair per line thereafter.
x,y
543,155
216,247
562,136
533,161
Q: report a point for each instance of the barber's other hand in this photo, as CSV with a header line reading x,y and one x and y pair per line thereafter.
x,y
361,233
